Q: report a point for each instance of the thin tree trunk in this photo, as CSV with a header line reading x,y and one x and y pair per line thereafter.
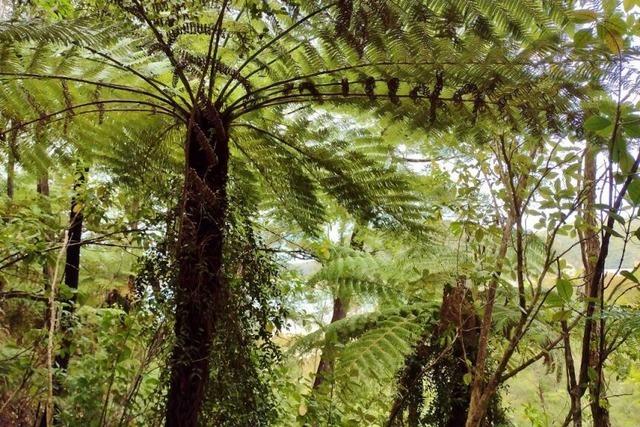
x,y
340,309
71,280
591,249
71,273
573,389
327,358
201,292
481,391
42,188
71,269
11,173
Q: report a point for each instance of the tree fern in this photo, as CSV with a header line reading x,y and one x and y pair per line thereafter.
x,y
219,69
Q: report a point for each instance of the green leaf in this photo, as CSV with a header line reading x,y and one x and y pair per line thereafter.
x,y
629,276
581,38
610,32
564,289
595,123
467,378
612,231
561,315
617,217
631,126
583,16
629,4
634,191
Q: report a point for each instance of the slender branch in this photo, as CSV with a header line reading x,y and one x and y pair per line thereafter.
x,y
19,256
539,355
23,295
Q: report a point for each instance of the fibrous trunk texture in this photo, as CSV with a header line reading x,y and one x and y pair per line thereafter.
x,y
201,293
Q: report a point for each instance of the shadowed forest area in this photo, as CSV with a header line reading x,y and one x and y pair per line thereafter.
x,y
392,213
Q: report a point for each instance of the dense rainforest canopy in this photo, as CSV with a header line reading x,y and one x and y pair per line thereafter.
x,y
319,213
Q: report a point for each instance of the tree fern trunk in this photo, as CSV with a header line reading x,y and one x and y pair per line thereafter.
x,y
201,293
42,185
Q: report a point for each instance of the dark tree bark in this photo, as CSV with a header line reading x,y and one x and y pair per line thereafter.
x,y
201,292
71,272
42,185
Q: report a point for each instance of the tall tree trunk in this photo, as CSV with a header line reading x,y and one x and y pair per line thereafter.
x,y
481,389
591,251
42,188
201,292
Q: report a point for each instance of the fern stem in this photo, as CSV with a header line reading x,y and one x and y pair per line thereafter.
x,y
166,49
24,76
263,67
152,82
213,59
290,99
88,104
254,55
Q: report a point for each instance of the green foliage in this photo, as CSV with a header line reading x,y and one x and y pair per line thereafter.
x,y
328,104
